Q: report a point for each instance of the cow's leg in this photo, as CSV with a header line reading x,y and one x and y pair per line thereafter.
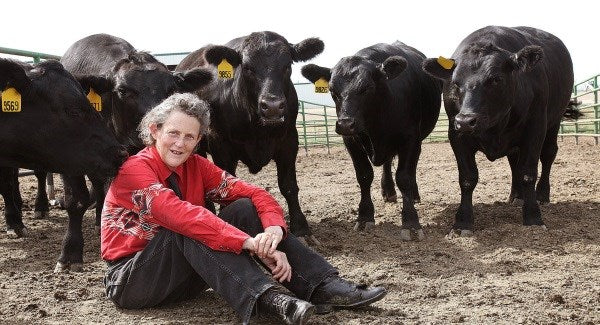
x,y
13,204
364,176
549,150
388,188
408,157
468,176
285,160
515,186
529,155
41,200
76,202
98,195
221,157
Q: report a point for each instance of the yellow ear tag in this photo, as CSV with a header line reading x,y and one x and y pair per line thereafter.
x,y
445,63
95,99
11,100
225,70
321,86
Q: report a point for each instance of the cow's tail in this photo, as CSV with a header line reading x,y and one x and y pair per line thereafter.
x,y
572,112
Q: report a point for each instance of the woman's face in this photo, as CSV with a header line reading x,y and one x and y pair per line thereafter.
x,y
177,138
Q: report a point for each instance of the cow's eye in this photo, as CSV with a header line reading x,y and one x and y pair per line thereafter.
x,y
124,92
454,91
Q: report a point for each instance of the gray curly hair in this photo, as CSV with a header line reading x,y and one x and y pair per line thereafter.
x,y
186,103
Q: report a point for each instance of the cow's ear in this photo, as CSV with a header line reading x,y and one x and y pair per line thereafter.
x,y
12,74
192,80
435,69
307,49
100,84
313,72
528,57
393,66
216,53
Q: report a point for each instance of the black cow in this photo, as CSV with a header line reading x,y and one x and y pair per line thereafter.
x,y
386,105
253,115
134,82
505,93
56,130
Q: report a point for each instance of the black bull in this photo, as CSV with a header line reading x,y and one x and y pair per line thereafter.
x,y
56,129
505,93
386,106
253,115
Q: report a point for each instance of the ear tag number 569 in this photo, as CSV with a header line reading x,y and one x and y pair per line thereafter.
x,y
11,101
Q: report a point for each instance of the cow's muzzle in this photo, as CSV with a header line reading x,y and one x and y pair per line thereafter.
x,y
346,126
272,111
467,122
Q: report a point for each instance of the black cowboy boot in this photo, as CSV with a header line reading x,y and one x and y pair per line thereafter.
x,y
335,292
286,308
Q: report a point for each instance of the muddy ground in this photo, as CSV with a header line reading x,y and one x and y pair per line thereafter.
x,y
506,273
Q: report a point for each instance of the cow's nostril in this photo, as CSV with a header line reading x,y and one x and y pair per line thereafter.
x,y
472,122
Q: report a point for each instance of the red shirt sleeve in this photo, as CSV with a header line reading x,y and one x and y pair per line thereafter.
x,y
158,204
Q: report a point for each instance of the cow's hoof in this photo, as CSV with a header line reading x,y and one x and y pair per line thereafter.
x,y
53,203
16,233
390,198
542,227
417,200
407,234
40,214
61,267
516,201
466,233
420,234
364,226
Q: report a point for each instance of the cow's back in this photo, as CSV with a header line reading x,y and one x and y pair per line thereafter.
x,y
413,89
95,54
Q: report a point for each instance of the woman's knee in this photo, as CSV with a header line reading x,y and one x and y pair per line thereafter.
x,y
242,214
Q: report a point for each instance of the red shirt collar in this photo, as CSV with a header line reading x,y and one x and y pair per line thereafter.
x,y
163,170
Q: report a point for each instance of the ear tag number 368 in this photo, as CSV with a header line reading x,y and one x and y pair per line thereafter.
x,y
11,101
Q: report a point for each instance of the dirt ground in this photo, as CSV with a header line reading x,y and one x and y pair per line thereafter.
x,y
506,273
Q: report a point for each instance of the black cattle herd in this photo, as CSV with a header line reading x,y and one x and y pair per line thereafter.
x,y
504,91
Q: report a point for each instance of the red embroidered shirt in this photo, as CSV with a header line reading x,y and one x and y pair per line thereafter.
x,y
139,203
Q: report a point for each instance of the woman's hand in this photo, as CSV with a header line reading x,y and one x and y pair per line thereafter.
x,y
279,266
266,242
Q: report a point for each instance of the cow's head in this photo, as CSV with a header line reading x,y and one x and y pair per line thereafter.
x,y
57,128
264,78
481,82
141,82
356,85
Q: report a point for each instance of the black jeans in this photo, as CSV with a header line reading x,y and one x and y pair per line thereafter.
x,y
173,267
